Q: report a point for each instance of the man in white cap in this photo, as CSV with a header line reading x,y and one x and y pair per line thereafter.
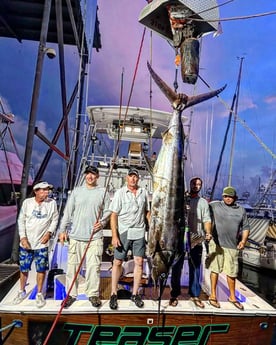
x,y
37,221
230,233
130,207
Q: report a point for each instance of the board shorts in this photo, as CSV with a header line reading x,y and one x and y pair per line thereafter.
x,y
27,256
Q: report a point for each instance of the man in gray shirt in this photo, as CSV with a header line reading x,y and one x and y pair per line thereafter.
x,y
230,233
86,213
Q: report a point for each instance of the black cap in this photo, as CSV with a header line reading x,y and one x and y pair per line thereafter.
x,y
91,169
133,171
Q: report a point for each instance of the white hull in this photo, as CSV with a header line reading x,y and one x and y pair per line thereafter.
x,y
263,257
232,323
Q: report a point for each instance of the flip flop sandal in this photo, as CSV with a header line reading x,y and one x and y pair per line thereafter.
x,y
173,301
198,302
237,304
214,302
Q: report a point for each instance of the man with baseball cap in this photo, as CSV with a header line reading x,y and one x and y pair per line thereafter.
x,y
42,185
130,207
37,221
85,215
230,233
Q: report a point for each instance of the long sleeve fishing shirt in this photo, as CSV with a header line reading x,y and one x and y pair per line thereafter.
x,y
36,219
84,207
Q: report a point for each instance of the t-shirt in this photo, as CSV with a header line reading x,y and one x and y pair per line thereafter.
x,y
83,208
131,210
229,222
198,214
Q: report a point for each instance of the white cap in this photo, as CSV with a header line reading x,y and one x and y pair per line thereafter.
x,y
42,185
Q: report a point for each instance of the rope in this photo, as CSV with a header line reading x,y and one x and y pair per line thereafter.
x,y
234,18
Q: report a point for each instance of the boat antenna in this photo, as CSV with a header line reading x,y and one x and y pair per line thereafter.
x,y
116,151
235,124
234,102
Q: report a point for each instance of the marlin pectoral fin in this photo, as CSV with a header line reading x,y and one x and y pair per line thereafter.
x,y
203,97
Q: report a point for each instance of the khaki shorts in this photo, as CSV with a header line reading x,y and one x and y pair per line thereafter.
x,y
223,260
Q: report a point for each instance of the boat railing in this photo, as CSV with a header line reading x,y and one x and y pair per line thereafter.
x,y
104,161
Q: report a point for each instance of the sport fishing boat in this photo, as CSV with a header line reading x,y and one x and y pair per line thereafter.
x,y
83,324
10,179
157,322
260,250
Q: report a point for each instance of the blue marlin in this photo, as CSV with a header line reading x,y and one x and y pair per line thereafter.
x,y
168,220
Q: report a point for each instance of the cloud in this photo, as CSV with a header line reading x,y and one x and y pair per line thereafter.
x,y
271,100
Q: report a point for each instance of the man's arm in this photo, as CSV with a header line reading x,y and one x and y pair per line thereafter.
x,y
208,230
244,238
114,229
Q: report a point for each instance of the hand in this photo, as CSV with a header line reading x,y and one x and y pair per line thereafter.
x,y
25,243
97,226
62,237
241,245
208,237
46,238
116,242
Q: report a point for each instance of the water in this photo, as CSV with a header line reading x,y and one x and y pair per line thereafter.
x,y
263,283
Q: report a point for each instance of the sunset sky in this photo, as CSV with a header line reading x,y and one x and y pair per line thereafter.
x,y
251,39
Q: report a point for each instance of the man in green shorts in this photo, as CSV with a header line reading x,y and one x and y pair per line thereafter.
x,y
230,233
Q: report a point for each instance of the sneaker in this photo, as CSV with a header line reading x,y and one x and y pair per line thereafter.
x,y
137,299
95,301
70,300
20,296
39,300
113,303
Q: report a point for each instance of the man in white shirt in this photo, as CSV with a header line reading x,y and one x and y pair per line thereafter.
x,y
130,208
37,221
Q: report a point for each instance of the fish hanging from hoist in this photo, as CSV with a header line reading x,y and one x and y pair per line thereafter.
x,y
182,23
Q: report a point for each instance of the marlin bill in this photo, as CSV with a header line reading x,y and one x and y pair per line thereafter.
x,y
167,224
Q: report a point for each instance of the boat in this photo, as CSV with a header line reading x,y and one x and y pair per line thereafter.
x,y
157,322
82,324
260,250
10,180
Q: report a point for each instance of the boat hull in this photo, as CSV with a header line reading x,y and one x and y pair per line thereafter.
x,y
121,327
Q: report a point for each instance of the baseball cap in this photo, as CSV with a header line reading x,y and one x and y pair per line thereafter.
x,y
133,171
42,185
196,178
91,169
230,191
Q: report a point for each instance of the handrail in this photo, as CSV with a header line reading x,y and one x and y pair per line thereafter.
x,y
14,324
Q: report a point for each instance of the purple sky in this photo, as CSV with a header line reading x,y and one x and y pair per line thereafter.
x,y
121,35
